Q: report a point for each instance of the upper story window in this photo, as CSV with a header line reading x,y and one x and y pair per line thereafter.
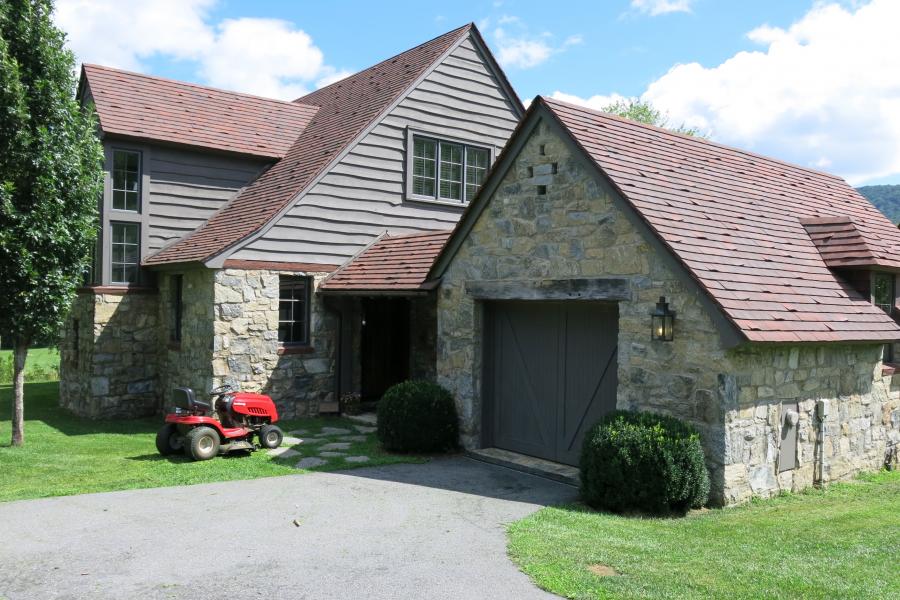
x,y
126,180
124,252
293,309
447,171
883,291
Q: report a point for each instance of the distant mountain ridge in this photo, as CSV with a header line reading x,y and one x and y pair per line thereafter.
x,y
886,198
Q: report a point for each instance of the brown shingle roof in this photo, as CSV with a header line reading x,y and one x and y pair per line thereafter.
x,y
842,244
397,263
733,218
153,108
347,107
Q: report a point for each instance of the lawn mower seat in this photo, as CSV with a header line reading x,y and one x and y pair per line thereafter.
x,y
184,398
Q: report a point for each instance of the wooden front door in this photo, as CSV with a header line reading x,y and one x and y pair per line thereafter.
x,y
550,373
384,345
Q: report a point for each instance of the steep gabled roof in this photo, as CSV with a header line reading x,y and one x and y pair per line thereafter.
x,y
391,264
346,109
152,108
733,221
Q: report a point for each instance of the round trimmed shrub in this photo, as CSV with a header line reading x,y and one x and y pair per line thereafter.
x,y
418,416
645,462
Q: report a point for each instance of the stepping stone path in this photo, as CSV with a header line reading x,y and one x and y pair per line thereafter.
x,y
310,462
298,432
334,431
291,441
283,452
364,429
353,438
332,454
357,459
336,446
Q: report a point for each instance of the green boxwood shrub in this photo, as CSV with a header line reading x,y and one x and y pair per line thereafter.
x,y
418,416
644,462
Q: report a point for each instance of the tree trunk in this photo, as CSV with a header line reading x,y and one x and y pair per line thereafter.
x,y
18,406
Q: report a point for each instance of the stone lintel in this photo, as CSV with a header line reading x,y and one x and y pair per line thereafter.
x,y
592,288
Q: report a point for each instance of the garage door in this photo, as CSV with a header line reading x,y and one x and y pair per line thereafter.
x,y
550,373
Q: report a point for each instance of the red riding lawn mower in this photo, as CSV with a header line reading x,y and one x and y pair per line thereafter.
x,y
226,423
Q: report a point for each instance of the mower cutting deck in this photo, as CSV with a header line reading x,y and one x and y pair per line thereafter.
x,y
227,423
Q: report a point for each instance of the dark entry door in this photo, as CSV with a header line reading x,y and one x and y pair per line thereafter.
x,y
384,345
551,373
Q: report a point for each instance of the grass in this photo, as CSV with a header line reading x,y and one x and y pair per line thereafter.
x,y
842,542
41,364
66,455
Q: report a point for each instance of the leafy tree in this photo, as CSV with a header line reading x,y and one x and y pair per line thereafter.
x,y
886,198
644,112
50,178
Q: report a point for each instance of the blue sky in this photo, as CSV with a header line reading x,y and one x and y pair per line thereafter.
x,y
816,83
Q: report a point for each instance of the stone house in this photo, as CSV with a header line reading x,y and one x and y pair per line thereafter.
x,y
223,213
781,280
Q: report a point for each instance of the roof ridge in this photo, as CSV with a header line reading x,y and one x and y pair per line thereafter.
x,y
691,138
460,29
192,84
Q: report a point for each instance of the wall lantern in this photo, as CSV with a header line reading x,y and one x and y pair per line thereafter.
x,y
662,321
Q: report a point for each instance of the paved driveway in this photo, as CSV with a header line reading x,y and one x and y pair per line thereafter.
x,y
402,531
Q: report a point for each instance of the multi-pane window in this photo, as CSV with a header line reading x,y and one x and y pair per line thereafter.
x,y
293,310
883,292
125,252
126,177
446,170
176,307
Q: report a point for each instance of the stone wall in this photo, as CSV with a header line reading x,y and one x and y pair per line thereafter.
x,y
187,363
423,337
115,371
575,229
245,349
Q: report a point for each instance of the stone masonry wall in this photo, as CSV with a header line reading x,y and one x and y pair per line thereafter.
x,y
575,230
245,350
115,374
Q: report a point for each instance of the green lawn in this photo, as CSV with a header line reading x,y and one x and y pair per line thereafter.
x,y
843,542
67,455
42,364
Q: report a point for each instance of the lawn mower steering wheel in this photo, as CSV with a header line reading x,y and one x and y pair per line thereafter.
x,y
219,391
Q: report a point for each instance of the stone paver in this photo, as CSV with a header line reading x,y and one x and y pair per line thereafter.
x,y
298,432
335,431
353,438
365,429
357,459
291,441
283,452
327,454
310,462
335,446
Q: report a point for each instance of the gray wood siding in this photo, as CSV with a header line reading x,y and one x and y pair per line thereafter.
x,y
187,187
364,194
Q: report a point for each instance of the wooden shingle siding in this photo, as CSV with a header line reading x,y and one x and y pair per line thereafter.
x,y
187,187
364,194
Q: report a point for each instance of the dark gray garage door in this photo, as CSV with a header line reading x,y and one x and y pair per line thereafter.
x,y
550,373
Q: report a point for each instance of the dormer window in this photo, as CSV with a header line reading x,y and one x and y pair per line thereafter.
x,y
446,170
883,291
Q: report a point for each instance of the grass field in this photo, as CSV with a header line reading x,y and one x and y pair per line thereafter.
x,y
67,455
42,364
843,542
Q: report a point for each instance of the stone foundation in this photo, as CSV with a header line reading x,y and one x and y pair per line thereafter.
x,y
114,373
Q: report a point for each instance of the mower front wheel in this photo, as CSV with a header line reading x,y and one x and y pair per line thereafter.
x,y
201,443
169,440
270,436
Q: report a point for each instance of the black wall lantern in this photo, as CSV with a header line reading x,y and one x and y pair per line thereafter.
x,y
662,321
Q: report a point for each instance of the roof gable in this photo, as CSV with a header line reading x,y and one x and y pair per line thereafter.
x,y
346,109
732,220
157,109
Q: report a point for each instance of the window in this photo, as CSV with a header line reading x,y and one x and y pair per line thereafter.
x,y
293,310
445,170
124,246
883,292
126,178
176,307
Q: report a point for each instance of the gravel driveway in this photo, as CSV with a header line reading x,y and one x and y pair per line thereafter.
x,y
402,531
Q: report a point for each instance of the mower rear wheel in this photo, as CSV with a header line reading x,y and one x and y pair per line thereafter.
x,y
270,436
169,440
201,443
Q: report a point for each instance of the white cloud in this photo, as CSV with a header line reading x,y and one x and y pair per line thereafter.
x,y
521,49
822,93
661,7
269,57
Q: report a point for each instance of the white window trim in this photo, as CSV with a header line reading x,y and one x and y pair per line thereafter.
x,y
112,242
140,173
408,171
